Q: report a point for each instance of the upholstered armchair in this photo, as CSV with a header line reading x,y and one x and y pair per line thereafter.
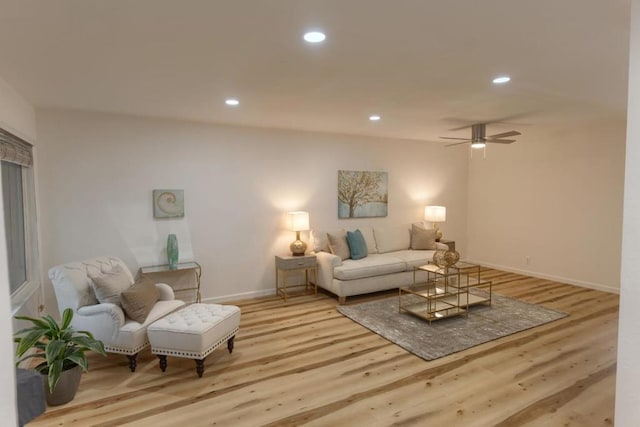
x,y
75,287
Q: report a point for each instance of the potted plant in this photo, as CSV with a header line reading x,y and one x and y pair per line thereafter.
x,y
63,350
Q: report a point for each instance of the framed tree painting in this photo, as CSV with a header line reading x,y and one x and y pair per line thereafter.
x,y
362,194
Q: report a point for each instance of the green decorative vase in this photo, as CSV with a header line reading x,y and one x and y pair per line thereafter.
x,y
172,251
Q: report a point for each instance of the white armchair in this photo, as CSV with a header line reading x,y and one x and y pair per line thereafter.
x,y
107,322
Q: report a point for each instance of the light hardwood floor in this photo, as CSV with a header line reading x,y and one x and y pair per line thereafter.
x,y
301,362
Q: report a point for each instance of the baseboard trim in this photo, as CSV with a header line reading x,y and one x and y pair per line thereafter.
x,y
242,295
590,285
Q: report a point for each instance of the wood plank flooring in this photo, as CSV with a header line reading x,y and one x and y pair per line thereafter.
x,y
302,363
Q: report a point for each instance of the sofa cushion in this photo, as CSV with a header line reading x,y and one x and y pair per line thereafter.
x,y
423,238
414,258
389,239
338,244
373,265
357,245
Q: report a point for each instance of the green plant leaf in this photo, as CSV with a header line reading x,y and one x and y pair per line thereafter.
x,y
53,328
36,321
55,369
28,341
30,356
67,315
27,330
55,351
87,333
79,358
89,344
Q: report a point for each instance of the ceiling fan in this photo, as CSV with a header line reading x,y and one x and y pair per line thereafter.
x,y
479,139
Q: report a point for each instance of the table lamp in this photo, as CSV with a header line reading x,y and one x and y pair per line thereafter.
x,y
435,214
298,221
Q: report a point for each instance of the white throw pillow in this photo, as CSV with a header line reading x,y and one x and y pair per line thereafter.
x,y
108,284
369,238
319,241
390,239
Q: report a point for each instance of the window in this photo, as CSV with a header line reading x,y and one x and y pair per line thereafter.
x,y
14,224
18,197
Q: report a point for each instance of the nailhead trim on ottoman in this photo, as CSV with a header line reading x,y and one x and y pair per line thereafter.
x,y
194,332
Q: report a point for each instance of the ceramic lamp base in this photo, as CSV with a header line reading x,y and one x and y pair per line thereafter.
x,y
298,248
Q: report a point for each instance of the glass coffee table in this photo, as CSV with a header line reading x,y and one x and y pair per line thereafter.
x,y
447,291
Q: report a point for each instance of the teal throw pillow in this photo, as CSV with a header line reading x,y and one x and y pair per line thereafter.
x,y
357,245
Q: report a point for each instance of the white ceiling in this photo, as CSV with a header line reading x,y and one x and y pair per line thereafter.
x,y
424,65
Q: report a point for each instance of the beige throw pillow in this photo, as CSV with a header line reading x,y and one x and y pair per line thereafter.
x,y
139,299
107,285
423,238
338,244
319,241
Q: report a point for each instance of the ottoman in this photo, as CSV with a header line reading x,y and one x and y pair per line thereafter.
x,y
194,332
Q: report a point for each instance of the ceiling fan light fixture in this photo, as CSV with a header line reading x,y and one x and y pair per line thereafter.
x,y
478,144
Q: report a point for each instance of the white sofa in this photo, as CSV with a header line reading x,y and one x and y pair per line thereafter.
x,y
388,265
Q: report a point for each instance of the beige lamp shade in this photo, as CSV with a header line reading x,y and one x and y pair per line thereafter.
x,y
435,213
298,221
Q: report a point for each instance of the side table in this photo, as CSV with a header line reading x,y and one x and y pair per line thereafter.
x,y
288,264
176,278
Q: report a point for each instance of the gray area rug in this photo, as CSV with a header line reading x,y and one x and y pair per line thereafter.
x,y
485,323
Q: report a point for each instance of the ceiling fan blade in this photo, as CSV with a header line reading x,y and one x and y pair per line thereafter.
x,y
504,119
500,141
451,137
461,127
505,134
457,143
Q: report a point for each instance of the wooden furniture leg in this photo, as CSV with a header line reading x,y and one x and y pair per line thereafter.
x,y
132,361
200,367
163,362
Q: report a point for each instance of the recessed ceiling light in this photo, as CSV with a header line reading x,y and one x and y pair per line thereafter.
x,y
231,101
314,37
501,79
374,118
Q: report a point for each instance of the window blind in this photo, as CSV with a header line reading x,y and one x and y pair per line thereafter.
x,y
15,150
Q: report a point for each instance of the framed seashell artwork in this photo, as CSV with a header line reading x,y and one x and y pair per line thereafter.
x,y
168,203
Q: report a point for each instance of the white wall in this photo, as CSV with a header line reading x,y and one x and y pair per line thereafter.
x,y
628,374
18,117
16,114
554,196
97,172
